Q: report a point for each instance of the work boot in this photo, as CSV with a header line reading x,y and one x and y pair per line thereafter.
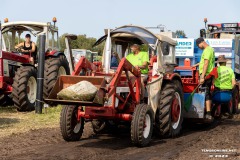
x,y
209,117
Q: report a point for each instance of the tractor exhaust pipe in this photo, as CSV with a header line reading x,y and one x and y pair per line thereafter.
x,y
40,74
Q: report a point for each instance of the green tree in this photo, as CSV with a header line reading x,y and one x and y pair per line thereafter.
x,y
8,41
180,33
82,42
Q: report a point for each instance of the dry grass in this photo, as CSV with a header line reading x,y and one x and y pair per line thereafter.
x,y
13,122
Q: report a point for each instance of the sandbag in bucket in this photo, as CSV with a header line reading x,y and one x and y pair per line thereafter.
x,y
81,91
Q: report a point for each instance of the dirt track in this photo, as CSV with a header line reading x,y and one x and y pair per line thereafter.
x,y
48,144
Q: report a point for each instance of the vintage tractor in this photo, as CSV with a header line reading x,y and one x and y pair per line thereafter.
x,y
118,97
18,73
220,30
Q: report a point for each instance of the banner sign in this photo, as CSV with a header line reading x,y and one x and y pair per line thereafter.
x,y
221,46
184,48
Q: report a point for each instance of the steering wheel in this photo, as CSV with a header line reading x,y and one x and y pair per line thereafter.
x,y
18,50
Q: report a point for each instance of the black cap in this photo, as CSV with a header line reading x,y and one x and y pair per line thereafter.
x,y
28,36
199,40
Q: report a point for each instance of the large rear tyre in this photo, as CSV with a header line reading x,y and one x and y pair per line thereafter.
x,y
235,101
142,125
25,88
169,116
71,128
54,67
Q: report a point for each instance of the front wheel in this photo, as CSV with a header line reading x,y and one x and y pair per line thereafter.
x,y
170,110
25,88
142,125
71,128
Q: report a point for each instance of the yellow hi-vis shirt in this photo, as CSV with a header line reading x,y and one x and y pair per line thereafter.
x,y
137,60
225,77
208,54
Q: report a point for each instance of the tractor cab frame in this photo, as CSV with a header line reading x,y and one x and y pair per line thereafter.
x,y
12,32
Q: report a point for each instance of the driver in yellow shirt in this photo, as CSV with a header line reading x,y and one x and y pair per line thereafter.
x,y
139,60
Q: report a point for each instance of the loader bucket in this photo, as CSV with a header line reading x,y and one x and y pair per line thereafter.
x,y
68,80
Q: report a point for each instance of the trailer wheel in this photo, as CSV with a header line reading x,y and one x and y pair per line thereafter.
x,y
235,101
25,88
142,125
54,67
169,116
71,129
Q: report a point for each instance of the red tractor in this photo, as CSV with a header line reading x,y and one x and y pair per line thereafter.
x,y
18,73
118,98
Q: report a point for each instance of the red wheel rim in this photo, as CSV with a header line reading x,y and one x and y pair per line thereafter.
x,y
175,109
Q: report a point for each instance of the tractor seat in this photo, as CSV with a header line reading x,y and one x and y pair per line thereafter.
x,y
222,96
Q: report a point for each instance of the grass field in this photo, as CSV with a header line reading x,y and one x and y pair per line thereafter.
x,y
13,122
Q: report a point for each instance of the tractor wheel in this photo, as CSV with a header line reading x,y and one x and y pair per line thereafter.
x,y
5,100
54,67
235,100
25,88
169,116
2,100
142,125
71,129
103,126
98,126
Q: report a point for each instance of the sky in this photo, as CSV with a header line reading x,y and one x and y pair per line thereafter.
x,y
91,17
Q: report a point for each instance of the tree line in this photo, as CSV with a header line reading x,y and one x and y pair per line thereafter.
x,y
82,42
